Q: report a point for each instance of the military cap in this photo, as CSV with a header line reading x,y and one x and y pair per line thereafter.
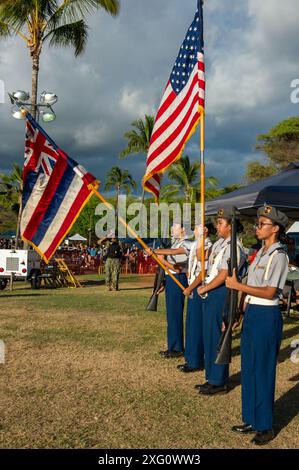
x,y
224,214
273,214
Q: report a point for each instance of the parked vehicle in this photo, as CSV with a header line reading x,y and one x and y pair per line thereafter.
x,y
20,264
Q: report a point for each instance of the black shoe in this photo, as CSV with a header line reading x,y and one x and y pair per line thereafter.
x,y
263,437
243,428
185,368
181,366
164,353
171,354
201,386
174,354
213,390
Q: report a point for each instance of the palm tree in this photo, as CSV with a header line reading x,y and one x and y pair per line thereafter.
x,y
62,23
10,188
11,194
186,177
119,180
139,139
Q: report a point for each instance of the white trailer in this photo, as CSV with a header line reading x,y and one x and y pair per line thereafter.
x,y
20,264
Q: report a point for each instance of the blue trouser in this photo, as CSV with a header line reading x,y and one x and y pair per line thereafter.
x,y
194,350
175,301
260,343
213,307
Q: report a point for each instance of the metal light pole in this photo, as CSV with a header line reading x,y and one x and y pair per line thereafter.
x,y
44,109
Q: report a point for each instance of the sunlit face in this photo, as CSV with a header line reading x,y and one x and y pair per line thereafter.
x,y
265,228
177,231
198,232
223,228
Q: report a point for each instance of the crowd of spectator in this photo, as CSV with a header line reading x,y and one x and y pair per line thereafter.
x,y
82,258
9,244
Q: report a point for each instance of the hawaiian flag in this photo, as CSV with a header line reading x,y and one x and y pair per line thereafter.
x,y
181,107
55,190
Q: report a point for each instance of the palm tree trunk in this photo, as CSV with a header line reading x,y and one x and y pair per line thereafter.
x,y
142,196
187,194
116,209
141,210
35,72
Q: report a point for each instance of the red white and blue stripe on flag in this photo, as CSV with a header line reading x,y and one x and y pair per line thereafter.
x,y
181,108
55,189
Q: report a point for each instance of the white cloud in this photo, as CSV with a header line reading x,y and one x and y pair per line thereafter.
x,y
251,54
93,135
134,102
251,64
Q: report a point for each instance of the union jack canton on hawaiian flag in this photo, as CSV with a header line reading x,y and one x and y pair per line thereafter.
x,y
55,190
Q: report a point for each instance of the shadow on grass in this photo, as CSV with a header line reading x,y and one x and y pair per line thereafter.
x,y
294,379
234,381
135,288
12,295
91,282
287,407
284,354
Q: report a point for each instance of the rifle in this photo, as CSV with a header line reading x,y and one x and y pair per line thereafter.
x,y
158,283
230,313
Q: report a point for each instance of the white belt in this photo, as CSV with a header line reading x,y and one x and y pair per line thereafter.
x,y
250,299
209,279
184,271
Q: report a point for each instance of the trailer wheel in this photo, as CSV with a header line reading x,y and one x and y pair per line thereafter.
x,y
3,283
36,279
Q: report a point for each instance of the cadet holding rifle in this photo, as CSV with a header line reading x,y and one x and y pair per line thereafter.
x,y
262,326
214,293
194,348
177,262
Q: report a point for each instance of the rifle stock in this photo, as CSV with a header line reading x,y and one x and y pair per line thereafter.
x,y
231,305
159,282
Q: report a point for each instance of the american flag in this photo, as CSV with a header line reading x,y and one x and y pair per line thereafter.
x,y
181,107
55,189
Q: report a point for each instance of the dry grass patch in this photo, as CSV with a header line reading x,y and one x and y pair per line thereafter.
x,y
82,370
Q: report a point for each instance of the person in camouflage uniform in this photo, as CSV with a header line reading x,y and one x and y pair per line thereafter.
x,y
113,255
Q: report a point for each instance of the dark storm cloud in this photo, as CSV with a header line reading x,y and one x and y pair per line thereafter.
x,y
251,50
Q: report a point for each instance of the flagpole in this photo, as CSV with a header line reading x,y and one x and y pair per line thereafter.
x,y
202,182
202,192
124,223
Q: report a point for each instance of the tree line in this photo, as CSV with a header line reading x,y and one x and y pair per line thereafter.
x,y
280,147
64,24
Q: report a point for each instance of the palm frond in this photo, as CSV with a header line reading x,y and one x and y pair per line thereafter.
x,y
47,8
139,140
15,13
111,6
73,34
71,11
117,177
5,31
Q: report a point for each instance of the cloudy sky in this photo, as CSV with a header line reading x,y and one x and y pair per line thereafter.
x,y
251,49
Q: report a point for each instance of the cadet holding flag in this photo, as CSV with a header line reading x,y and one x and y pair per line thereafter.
x,y
262,326
213,304
194,348
177,262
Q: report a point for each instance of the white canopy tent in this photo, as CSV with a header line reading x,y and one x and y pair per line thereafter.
x,y
77,238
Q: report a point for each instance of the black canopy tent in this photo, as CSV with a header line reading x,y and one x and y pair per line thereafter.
x,y
280,190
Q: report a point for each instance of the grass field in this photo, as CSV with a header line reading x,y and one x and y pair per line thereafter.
x,y
82,370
